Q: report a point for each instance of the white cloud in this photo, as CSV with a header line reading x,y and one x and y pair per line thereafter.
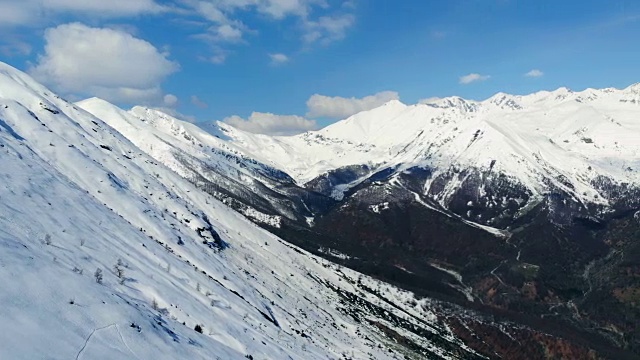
x,y
534,73
209,11
277,59
339,107
429,100
224,14
275,9
105,8
271,124
327,29
218,58
228,33
198,103
316,21
104,62
279,9
218,37
30,12
127,95
13,13
217,34
468,79
170,100
349,4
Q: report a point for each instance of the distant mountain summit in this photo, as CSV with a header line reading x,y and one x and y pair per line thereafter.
x,y
568,140
531,202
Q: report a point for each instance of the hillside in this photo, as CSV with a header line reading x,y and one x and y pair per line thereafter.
x,y
505,206
464,238
107,253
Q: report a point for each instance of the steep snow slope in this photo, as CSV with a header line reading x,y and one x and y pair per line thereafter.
x,y
259,191
78,197
161,135
560,139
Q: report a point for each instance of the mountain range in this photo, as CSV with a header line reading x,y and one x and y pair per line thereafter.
x,y
454,229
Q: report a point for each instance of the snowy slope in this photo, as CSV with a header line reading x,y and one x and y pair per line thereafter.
x,y
77,196
562,139
161,136
255,189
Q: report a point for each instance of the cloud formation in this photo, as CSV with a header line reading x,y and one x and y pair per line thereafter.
x,y
468,79
429,100
170,100
224,27
229,33
219,23
319,106
271,124
327,29
337,107
105,8
103,62
30,12
534,73
278,59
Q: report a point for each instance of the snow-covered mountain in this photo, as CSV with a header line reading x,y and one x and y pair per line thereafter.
x,y
530,202
562,126
106,253
486,211
261,192
547,140
486,162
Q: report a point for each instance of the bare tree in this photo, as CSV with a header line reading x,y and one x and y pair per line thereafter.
x,y
118,268
98,275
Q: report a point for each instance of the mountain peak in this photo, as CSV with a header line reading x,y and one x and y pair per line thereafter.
x,y
451,102
633,88
394,102
562,90
94,101
505,101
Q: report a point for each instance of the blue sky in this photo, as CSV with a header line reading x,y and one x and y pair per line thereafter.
x,y
285,66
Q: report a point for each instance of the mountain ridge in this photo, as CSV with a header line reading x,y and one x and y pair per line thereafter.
x,y
481,248
107,253
582,136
